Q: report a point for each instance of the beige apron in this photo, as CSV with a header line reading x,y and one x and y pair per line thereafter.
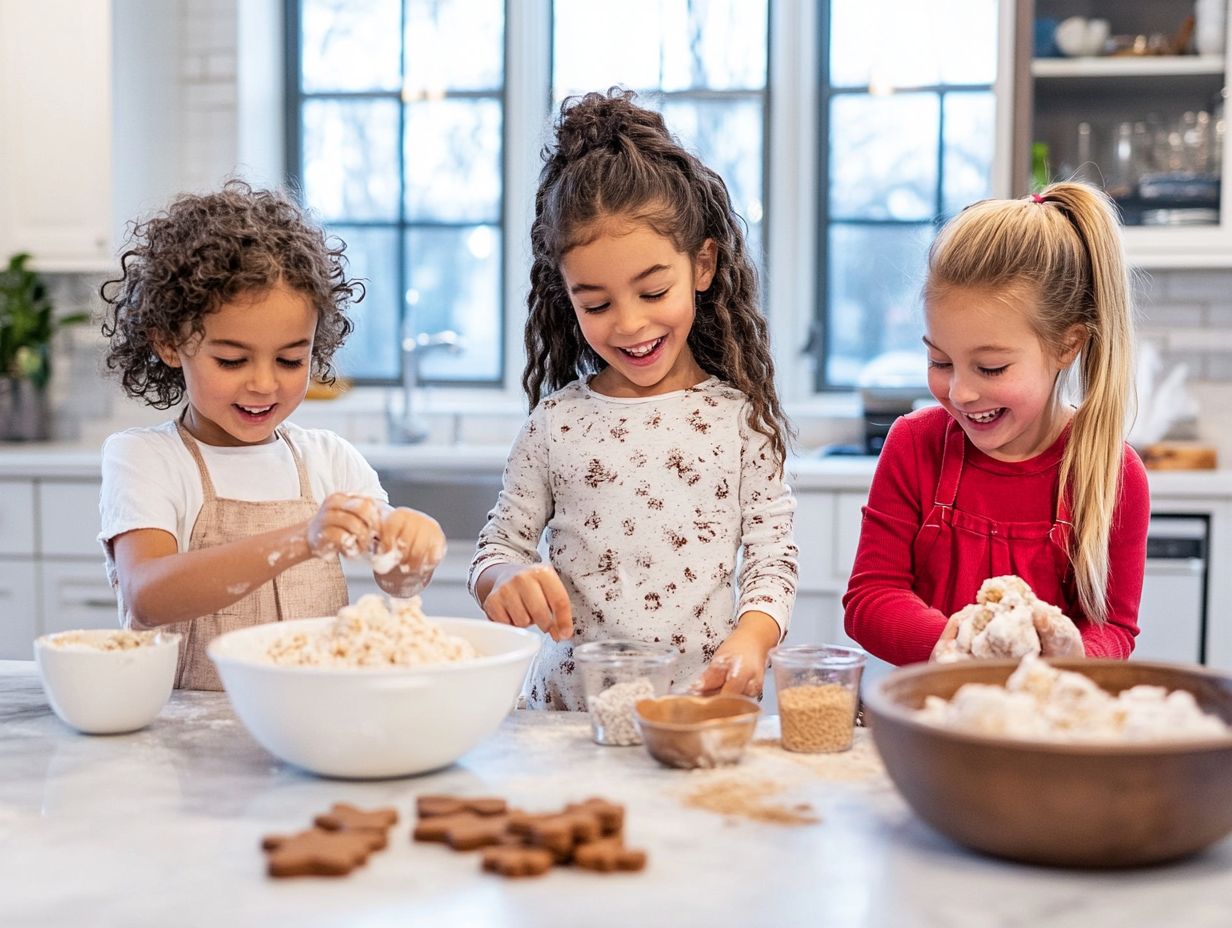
x,y
313,588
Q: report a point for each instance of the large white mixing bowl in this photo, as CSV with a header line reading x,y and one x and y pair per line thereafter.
x,y
367,722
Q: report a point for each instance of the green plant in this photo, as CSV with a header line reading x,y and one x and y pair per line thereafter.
x,y
27,323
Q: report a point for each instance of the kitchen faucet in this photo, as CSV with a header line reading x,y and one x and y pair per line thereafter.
x,y
406,427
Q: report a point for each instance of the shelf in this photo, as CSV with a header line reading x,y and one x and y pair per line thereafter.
x,y
1128,66
1160,247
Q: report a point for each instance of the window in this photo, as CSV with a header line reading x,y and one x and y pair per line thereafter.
x,y
845,129
702,63
908,135
398,144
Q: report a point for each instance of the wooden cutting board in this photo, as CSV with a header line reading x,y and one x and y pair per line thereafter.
x,y
1179,455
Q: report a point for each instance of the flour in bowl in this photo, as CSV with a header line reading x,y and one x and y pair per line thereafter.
x,y
1039,702
373,632
90,640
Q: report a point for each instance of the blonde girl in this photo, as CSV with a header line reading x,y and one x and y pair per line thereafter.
x,y
1006,477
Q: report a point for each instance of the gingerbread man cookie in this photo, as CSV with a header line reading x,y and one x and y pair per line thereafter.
x,y
511,860
317,852
463,831
558,833
430,806
608,854
345,817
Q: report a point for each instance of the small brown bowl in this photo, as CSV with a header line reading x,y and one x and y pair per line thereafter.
x,y
1058,803
696,731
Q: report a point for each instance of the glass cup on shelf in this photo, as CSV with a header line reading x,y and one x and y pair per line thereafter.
x,y
818,693
616,674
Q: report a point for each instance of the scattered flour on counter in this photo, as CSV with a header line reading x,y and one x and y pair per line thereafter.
x,y
374,632
1039,702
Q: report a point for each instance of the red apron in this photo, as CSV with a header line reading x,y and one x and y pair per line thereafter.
x,y
956,551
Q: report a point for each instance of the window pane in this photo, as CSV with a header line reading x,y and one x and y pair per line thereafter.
x,y
883,156
875,273
666,44
728,135
454,45
454,283
970,132
350,45
372,349
351,158
906,43
453,161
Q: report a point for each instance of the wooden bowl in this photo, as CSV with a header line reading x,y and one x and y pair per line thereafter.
x,y
696,731
1062,804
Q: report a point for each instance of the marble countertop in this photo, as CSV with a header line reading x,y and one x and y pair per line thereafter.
x,y
443,463
161,828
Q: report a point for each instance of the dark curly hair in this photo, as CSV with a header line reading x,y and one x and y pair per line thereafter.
x,y
612,157
208,250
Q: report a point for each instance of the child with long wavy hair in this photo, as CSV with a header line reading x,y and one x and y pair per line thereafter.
x,y
227,514
1006,476
654,451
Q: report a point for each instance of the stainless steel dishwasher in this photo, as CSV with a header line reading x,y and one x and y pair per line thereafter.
x,y
1172,618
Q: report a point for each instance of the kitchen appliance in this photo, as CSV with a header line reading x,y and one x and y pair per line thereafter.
x,y
1172,617
882,405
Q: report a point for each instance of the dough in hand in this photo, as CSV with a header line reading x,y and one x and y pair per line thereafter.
x,y
1007,620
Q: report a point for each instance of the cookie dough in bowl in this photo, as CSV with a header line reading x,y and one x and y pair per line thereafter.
x,y
378,691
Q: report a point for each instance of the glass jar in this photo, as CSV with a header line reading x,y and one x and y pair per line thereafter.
x,y
616,674
818,694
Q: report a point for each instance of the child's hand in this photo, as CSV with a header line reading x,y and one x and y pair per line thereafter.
x,y
346,523
533,595
946,649
409,546
739,665
1059,637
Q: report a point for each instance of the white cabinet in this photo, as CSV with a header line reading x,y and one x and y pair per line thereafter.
x,y
1142,126
55,146
19,624
76,594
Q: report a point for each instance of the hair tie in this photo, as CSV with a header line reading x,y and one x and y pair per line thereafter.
x,y
1037,198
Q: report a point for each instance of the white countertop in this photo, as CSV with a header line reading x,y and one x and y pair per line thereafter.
x,y
442,462
162,828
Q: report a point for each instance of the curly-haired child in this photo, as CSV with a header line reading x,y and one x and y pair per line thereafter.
x,y
658,456
228,515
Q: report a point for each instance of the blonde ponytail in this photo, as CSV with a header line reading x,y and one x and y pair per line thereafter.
x,y
1064,245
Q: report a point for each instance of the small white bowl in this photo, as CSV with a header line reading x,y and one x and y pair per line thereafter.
x,y
101,692
371,722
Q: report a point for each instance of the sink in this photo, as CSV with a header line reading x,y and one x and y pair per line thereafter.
x,y
459,502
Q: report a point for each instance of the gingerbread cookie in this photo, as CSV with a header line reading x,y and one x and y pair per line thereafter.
x,y
430,806
317,852
463,831
512,860
608,854
611,817
558,833
345,817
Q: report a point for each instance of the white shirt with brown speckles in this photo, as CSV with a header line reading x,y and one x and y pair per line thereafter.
x,y
649,504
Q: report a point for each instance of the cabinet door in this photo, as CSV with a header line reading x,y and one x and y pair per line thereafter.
x,y
814,530
76,595
17,517
55,109
68,518
18,609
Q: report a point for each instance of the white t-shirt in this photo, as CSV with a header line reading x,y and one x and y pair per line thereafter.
x,y
150,479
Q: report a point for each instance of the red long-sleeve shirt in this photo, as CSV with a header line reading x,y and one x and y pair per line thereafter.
x,y
883,611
